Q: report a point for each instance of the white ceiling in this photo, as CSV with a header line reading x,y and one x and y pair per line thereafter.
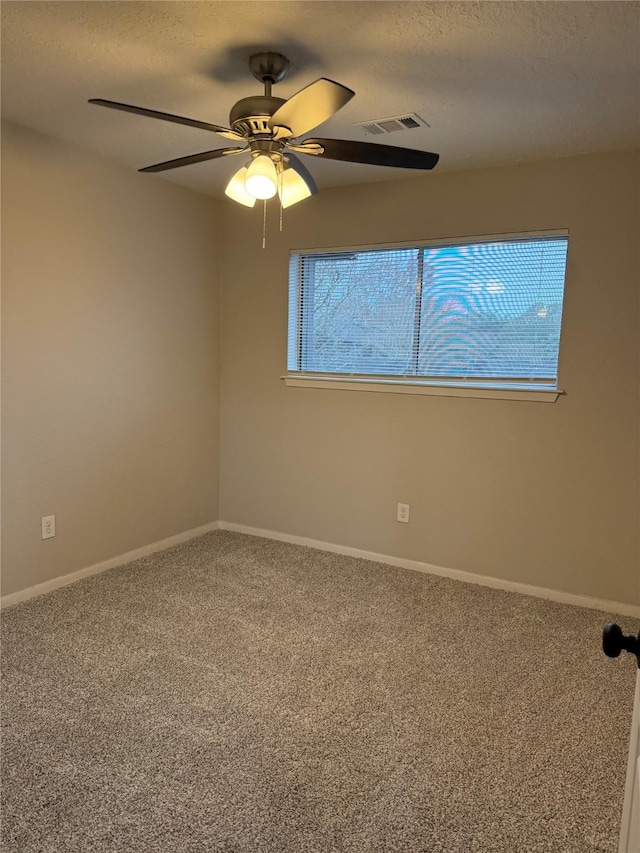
x,y
498,82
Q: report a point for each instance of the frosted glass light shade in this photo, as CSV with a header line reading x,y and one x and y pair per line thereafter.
x,y
293,188
235,188
261,179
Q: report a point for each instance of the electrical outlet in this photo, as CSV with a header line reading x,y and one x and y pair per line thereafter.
x,y
48,526
403,513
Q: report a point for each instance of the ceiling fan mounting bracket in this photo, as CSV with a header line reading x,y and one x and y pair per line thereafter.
x,y
268,66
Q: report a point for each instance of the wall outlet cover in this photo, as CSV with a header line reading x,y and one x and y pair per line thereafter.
x,y
48,526
403,513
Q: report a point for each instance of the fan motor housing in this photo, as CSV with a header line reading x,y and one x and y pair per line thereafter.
x,y
250,115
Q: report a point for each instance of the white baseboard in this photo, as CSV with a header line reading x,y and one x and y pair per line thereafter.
x,y
614,607
65,580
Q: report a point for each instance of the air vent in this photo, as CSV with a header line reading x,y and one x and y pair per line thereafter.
x,y
393,124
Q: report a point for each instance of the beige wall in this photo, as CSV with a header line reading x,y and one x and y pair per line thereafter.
x,y
545,494
110,401
110,378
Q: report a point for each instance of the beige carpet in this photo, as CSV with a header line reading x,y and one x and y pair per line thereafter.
x,y
239,694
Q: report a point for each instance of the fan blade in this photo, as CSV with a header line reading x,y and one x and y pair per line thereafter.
x,y
373,154
294,163
190,122
193,158
311,106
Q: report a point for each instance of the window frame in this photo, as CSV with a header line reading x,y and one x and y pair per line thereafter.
x,y
507,389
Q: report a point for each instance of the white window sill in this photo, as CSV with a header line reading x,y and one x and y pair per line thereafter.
x,y
502,391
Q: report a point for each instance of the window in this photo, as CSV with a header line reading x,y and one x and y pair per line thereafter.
x,y
484,313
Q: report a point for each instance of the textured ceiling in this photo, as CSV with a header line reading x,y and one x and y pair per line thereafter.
x,y
498,82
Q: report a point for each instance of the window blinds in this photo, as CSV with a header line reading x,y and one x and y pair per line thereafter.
x,y
485,310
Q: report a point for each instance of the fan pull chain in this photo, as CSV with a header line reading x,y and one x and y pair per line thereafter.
x,y
280,178
264,225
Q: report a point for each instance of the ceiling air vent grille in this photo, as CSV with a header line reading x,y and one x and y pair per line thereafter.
x,y
392,124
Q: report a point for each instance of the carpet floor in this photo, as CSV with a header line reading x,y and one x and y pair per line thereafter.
x,y
241,694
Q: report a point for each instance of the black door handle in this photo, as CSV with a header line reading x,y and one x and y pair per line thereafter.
x,y
614,642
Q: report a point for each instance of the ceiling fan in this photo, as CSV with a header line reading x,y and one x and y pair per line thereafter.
x,y
270,129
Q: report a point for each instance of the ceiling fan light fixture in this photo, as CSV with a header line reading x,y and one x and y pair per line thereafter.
x,y
235,189
292,188
261,180
271,129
